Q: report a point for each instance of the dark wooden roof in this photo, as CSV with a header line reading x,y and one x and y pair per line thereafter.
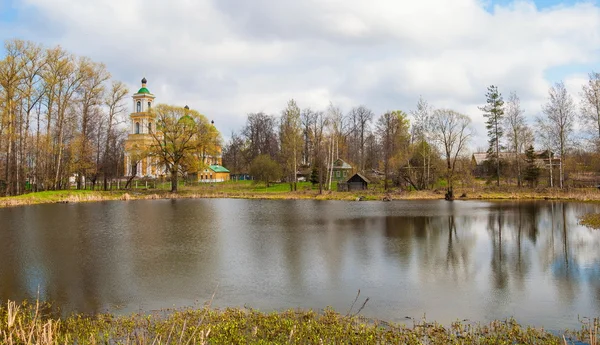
x,y
360,176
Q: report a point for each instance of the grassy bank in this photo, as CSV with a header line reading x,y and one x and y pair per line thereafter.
x,y
249,190
31,324
591,220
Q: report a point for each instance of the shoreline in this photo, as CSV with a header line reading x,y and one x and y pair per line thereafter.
x,y
34,322
77,196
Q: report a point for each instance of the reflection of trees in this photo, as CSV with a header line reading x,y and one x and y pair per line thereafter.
x,y
513,232
459,248
442,245
499,269
164,250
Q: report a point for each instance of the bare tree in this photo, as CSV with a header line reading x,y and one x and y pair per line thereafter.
x,y
557,125
260,135
11,76
451,131
114,101
91,89
335,120
233,155
517,131
360,118
422,135
392,128
590,104
319,126
290,134
307,117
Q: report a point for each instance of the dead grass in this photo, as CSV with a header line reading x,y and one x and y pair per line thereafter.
x,y
34,324
250,191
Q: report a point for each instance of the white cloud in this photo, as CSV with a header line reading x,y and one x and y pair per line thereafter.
x,y
231,57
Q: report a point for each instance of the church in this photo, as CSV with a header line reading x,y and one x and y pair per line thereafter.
x,y
141,123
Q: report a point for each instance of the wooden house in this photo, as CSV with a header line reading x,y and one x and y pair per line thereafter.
x,y
356,182
341,170
214,173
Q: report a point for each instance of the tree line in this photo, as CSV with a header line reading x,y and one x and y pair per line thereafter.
x,y
427,147
278,147
567,135
59,118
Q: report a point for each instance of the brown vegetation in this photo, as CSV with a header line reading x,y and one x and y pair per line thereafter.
x,y
35,324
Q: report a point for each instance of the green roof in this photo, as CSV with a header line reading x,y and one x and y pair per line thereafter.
x,y
186,119
143,90
218,168
341,164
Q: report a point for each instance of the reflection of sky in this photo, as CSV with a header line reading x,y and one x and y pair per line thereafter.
x,y
571,268
463,260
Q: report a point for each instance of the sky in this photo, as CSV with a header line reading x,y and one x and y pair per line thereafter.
x,y
227,58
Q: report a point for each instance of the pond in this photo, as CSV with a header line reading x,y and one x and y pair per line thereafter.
x,y
441,260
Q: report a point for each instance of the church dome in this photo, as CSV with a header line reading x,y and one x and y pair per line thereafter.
x,y
186,118
144,89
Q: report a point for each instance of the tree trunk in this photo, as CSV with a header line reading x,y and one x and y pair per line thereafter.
x,y
174,176
551,168
497,156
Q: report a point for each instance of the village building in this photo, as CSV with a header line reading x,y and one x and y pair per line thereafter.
x,y
341,170
142,122
482,164
355,182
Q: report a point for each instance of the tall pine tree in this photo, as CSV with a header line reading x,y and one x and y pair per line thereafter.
x,y
532,171
493,111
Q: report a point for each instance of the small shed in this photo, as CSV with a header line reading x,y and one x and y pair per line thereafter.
x,y
356,182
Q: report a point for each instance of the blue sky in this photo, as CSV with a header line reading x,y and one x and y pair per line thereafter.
x,y
8,12
231,57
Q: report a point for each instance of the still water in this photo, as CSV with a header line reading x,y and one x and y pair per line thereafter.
x,y
462,260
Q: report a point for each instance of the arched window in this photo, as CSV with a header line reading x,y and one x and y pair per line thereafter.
x,y
139,107
149,105
149,127
137,128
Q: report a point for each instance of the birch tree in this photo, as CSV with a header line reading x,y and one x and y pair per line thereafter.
x,y
335,122
590,105
114,102
517,131
290,135
11,76
421,134
558,122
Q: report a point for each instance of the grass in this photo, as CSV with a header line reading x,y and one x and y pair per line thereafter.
x,y
591,220
34,324
305,190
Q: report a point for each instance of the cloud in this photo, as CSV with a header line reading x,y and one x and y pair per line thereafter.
x,y
227,58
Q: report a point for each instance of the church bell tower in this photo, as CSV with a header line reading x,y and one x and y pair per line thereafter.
x,y
142,124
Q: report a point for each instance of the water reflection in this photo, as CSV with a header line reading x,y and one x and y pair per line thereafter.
x,y
474,260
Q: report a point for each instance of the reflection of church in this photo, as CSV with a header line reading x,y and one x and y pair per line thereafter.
x,y
142,122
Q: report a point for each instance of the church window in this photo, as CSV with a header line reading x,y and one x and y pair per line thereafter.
x,y
149,105
137,128
139,107
149,127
